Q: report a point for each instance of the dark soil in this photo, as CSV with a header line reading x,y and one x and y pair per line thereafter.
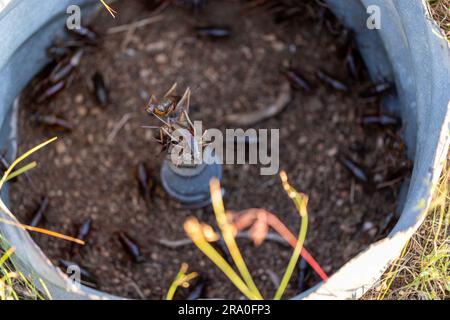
x,y
84,175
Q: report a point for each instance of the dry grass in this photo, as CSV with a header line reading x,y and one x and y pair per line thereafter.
x,y
423,269
13,284
440,10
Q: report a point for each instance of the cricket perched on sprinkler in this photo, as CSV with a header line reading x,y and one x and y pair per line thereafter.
x,y
183,174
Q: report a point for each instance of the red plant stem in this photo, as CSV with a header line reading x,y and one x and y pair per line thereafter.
x,y
279,227
247,217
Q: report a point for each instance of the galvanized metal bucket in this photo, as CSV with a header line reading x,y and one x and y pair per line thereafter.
x,y
407,49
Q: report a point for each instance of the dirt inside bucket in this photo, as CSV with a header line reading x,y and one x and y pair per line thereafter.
x,y
89,173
